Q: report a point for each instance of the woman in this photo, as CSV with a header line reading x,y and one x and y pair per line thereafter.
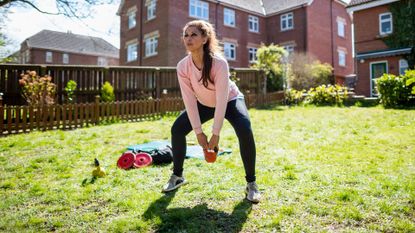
x,y
208,93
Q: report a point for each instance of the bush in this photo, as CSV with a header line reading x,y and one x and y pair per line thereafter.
x,y
306,72
70,90
327,95
293,96
107,92
396,91
37,90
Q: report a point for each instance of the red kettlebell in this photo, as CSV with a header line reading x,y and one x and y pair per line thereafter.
x,y
210,155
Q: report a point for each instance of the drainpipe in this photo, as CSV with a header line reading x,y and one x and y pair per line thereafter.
x,y
140,43
332,38
305,28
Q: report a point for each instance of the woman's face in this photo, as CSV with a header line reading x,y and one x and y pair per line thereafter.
x,y
193,39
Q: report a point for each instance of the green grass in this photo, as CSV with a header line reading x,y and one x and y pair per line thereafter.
x,y
320,170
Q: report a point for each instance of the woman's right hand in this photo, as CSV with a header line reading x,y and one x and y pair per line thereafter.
x,y
202,140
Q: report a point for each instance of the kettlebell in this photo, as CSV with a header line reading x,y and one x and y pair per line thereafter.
x,y
98,171
210,155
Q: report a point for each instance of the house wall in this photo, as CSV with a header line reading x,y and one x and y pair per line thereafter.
x,y
38,56
297,35
366,29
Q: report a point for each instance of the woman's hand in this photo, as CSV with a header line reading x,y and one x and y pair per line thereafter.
x,y
214,142
202,140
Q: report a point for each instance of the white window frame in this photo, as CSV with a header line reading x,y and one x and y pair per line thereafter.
x,y
229,17
229,50
253,23
341,28
102,61
151,44
289,48
132,54
200,9
342,54
132,19
403,66
390,20
49,56
65,58
252,54
286,18
151,9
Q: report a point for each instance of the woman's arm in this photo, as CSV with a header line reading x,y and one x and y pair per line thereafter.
x,y
222,93
190,101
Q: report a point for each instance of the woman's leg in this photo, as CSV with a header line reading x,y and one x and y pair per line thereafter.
x,y
237,115
180,129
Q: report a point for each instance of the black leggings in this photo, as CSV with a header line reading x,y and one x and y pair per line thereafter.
x,y
237,115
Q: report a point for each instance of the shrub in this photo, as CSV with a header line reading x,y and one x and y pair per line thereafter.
x,y
306,72
396,91
70,90
327,95
37,90
107,92
269,60
293,96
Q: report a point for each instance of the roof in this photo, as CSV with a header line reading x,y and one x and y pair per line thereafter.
x,y
262,7
384,53
359,2
69,42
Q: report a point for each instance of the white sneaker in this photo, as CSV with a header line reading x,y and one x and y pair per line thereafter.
x,y
252,193
174,183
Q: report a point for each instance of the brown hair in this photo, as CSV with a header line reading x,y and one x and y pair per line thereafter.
x,y
210,48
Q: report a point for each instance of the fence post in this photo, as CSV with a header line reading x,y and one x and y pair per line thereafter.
x,y
97,109
2,113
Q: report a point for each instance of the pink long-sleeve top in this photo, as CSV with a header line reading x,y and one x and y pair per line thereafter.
x,y
216,95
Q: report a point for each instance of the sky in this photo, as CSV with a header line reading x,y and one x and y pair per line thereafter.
x,y
22,23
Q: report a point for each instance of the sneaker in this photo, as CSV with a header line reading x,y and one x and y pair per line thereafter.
x,y
174,183
252,193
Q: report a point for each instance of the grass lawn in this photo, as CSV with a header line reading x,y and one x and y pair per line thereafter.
x,y
320,170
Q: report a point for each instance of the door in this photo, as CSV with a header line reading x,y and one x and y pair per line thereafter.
x,y
377,69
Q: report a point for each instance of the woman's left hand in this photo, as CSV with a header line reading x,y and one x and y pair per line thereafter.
x,y
214,142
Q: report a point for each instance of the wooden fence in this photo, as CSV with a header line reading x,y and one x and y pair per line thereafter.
x,y
130,83
22,119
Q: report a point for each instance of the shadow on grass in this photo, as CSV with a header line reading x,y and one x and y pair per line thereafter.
x,y
199,218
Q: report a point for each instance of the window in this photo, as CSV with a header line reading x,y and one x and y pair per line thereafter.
x,y
253,23
403,66
131,19
48,56
151,46
252,54
151,9
342,57
385,23
340,28
287,21
132,52
289,48
102,61
229,17
199,9
230,50
65,58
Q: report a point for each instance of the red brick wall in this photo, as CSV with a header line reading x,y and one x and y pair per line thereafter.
x,y
38,56
129,34
366,29
363,82
276,36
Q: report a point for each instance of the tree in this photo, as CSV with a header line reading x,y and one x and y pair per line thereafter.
x,y
270,61
403,28
69,8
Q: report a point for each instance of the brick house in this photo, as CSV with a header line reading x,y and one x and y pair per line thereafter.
x,y
51,47
151,30
373,21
